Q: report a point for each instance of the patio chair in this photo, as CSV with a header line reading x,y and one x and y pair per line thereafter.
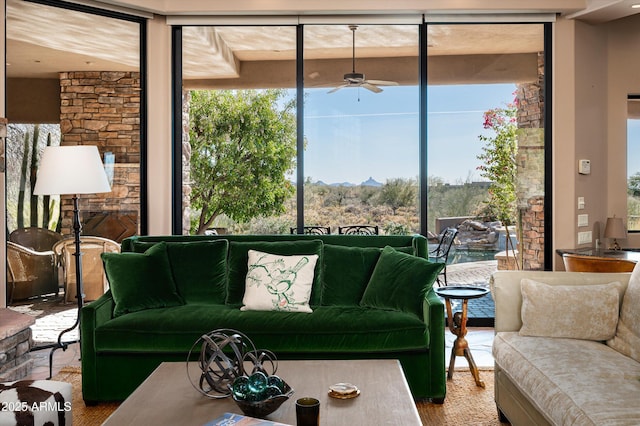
x,y
314,230
94,280
441,253
30,273
358,230
31,264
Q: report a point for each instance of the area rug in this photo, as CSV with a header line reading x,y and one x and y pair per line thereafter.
x,y
83,415
465,404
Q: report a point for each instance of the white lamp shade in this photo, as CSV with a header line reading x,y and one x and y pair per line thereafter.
x,y
74,169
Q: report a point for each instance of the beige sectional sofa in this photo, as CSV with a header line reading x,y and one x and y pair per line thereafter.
x,y
554,360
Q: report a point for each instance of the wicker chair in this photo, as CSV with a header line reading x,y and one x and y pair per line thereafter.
x,y
94,280
31,265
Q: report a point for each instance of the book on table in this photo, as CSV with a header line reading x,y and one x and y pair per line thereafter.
x,y
232,419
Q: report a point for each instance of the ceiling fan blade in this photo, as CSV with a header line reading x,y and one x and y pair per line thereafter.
x,y
382,82
335,89
369,86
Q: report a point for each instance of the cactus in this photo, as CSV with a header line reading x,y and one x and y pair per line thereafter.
x,y
46,200
32,177
29,171
23,181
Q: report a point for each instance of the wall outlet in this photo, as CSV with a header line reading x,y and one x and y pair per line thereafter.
x,y
584,237
583,220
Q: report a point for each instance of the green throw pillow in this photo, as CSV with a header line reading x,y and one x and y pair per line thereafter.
x,y
400,281
238,266
199,268
346,273
141,281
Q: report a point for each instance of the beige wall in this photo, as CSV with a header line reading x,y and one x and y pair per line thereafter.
x,y
580,131
159,126
623,78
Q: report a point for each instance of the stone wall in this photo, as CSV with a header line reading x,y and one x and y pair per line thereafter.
x,y
15,345
103,109
531,173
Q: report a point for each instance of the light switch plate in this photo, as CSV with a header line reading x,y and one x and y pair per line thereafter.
x,y
580,203
583,220
584,237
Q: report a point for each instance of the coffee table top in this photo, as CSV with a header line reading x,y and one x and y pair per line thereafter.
x,y
167,397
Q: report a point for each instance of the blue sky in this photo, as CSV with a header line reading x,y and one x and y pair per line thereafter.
x,y
354,134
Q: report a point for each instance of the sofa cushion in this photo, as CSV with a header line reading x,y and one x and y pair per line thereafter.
x,y
278,283
576,312
238,257
571,381
346,273
199,268
400,281
627,337
141,281
329,329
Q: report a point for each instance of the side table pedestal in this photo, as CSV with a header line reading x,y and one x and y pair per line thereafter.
x,y
458,325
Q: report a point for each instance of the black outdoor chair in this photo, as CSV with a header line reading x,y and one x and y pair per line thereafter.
x,y
314,230
358,230
441,253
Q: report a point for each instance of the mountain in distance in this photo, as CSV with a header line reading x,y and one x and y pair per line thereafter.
x,y
371,182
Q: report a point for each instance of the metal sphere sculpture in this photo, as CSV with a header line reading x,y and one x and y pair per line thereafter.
x,y
222,357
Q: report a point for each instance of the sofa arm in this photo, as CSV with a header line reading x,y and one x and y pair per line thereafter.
x,y
433,311
92,316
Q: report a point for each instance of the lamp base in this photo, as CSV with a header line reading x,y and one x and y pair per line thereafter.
x,y
615,245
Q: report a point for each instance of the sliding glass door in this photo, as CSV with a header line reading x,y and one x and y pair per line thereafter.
x,y
486,145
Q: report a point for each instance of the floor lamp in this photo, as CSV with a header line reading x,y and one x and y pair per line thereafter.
x,y
64,170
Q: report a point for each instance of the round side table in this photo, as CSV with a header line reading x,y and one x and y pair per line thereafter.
x,y
458,324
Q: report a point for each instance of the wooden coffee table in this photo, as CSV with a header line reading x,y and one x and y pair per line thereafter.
x,y
167,397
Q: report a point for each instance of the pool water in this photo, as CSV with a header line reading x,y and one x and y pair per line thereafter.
x,y
465,256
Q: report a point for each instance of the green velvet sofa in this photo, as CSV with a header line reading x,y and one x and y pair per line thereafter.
x,y
121,348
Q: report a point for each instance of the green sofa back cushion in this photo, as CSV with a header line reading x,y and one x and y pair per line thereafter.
x,y
347,271
399,282
199,269
238,257
141,281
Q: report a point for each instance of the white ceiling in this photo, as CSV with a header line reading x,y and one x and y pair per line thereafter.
x,y
43,41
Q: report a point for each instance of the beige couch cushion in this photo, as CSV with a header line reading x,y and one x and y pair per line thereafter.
x,y
576,312
571,381
627,338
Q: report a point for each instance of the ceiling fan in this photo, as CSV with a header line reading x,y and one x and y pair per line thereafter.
x,y
356,79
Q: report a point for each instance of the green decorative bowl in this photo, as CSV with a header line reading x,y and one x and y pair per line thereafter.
x,y
263,407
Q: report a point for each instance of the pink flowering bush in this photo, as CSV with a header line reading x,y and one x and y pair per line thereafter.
x,y
499,162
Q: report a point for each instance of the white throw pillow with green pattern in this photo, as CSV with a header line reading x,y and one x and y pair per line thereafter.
x,y
278,283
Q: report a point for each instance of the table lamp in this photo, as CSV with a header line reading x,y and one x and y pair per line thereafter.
x,y
614,229
74,169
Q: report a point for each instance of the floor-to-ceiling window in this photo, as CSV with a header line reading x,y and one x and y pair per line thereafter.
x,y
361,127
633,163
364,103
74,76
239,107
486,146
